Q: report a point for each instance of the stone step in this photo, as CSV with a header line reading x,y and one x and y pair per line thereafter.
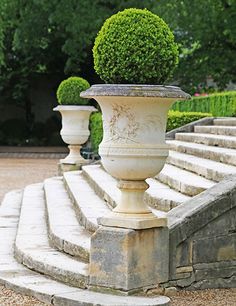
x,y
32,247
162,197
158,196
25,281
225,121
218,130
224,155
208,139
87,204
65,232
209,169
183,181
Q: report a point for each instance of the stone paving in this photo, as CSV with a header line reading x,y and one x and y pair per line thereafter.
x,y
16,173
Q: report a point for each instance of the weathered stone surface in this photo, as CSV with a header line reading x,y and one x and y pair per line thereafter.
x,y
88,206
212,249
224,155
97,299
128,259
33,249
209,169
210,140
134,90
65,232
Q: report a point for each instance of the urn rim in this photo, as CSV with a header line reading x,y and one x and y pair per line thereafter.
x,y
135,90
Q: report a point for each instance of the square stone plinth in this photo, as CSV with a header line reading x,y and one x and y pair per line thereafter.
x,y
127,259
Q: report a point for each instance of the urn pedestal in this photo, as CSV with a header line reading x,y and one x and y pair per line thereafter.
x,y
75,132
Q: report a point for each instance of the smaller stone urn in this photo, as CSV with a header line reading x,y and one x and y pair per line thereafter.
x,y
75,132
133,146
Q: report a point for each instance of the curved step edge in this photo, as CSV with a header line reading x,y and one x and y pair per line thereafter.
x,y
32,247
65,232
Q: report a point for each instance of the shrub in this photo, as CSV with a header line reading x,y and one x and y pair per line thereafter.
x,y
135,46
96,130
220,104
175,120
68,92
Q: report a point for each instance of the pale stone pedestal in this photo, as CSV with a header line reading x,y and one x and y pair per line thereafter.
x,y
127,259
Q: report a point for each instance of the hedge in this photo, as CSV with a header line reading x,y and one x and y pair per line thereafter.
x,y
175,120
219,105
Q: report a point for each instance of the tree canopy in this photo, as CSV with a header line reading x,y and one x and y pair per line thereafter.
x,y
56,37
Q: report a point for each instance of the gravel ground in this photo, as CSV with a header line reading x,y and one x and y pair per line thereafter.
x,y
17,173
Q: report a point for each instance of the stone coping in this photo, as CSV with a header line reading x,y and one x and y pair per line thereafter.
x,y
132,90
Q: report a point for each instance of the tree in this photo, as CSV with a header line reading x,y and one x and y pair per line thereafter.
x,y
206,33
52,37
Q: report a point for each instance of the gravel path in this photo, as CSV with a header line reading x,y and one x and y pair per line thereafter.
x,y
17,173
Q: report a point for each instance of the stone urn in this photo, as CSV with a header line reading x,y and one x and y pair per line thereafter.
x,y
75,132
133,146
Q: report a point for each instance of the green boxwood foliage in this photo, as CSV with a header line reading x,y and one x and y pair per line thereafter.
x,y
68,92
220,104
135,46
96,130
175,120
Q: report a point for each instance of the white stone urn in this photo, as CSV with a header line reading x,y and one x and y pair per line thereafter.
x,y
75,132
133,146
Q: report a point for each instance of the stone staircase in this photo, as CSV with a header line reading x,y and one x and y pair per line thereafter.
x,y
45,229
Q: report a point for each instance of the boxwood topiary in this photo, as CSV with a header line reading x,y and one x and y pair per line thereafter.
x,y
68,92
135,46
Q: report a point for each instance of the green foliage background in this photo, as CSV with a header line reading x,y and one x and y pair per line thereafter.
x,y
220,104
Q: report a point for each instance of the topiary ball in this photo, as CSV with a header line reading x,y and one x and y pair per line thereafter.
x,y
68,92
135,46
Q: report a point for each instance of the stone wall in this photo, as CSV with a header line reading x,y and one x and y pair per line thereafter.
x,y
203,239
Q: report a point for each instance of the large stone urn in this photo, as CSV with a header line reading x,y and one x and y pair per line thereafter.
x,y
75,132
133,146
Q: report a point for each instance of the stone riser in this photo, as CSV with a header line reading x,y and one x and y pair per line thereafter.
x,y
217,130
210,140
65,232
226,156
32,247
209,169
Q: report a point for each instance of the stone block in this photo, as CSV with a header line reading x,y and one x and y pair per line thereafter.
x,y
213,249
127,259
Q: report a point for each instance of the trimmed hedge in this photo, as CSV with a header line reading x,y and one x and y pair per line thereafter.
x,y
219,105
175,120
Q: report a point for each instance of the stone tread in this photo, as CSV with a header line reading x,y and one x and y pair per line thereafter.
x,y
32,247
23,280
106,187
184,181
224,155
230,121
87,204
209,139
209,169
65,232
162,197
218,130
